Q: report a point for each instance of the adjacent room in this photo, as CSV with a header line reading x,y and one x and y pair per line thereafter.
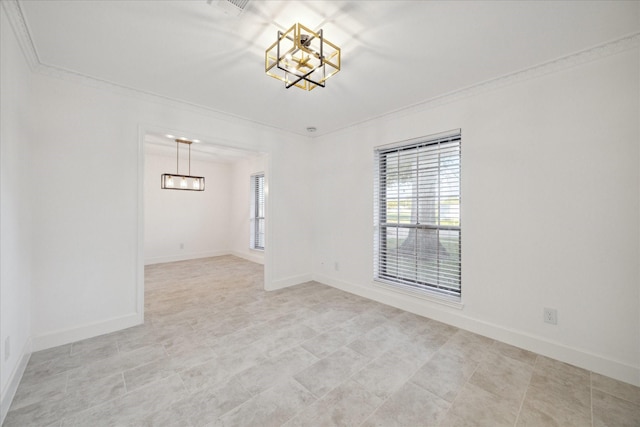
x,y
356,213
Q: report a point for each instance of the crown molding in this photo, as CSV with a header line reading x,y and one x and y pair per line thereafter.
x,y
21,30
20,27
631,41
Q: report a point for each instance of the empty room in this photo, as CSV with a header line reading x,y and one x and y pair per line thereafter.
x,y
319,213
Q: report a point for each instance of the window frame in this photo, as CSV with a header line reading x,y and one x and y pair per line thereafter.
x,y
447,148
257,213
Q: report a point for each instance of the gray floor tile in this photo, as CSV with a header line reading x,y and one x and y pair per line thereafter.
x,y
475,406
324,344
209,404
203,376
610,411
444,375
379,339
410,406
276,369
48,389
45,356
273,407
133,407
615,388
347,405
504,377
384,375
216,349
555,407
330,372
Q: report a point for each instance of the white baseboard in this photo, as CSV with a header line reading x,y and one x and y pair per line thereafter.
x,y
555,350
66,336
258,258
184,257
286,282
14,381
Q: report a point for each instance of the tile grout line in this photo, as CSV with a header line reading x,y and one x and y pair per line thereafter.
x,y
350,378
405,383
591,396
346,345
467,381
608,393
524,396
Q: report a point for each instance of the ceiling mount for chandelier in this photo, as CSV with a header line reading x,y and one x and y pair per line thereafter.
x,y
302,58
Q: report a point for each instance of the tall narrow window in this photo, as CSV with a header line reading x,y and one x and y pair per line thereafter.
x,y
417,214
257,212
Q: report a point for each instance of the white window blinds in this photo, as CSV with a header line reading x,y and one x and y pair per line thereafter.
x,y
256,232
417,214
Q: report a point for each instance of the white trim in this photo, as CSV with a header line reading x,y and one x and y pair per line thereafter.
x,y
14,381
268,236
425,294
584,359
184,257
612,47
257,258
20,29
288,281
90,330
140,261
421,139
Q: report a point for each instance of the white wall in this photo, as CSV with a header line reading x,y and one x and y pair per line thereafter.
x,y
550,207
550,211
15,215
240,205
87,159
181,225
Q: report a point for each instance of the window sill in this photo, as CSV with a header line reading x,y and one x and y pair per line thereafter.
x,y
447,300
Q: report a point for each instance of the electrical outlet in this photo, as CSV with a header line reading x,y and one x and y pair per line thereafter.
x,y
181,245
551,316
336,266
7,348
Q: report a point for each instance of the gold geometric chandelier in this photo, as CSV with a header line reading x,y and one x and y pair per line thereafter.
x,y
302,58
170,181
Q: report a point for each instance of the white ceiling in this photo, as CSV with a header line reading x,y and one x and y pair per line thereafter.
x,y
394,53
165,144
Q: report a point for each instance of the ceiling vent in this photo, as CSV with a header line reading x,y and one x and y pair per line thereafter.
x,y
230,7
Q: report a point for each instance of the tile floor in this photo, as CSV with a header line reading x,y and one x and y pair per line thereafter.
x,y
217,350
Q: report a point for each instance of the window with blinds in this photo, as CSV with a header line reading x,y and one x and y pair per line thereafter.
x,y
417,214
256,231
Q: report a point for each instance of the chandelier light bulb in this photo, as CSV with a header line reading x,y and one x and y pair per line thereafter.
x,y
170,182
183,183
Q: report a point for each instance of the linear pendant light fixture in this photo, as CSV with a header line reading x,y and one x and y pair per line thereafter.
x,y
302,58
182,182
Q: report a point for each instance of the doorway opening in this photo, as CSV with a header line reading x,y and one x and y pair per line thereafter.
x,y
186,225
